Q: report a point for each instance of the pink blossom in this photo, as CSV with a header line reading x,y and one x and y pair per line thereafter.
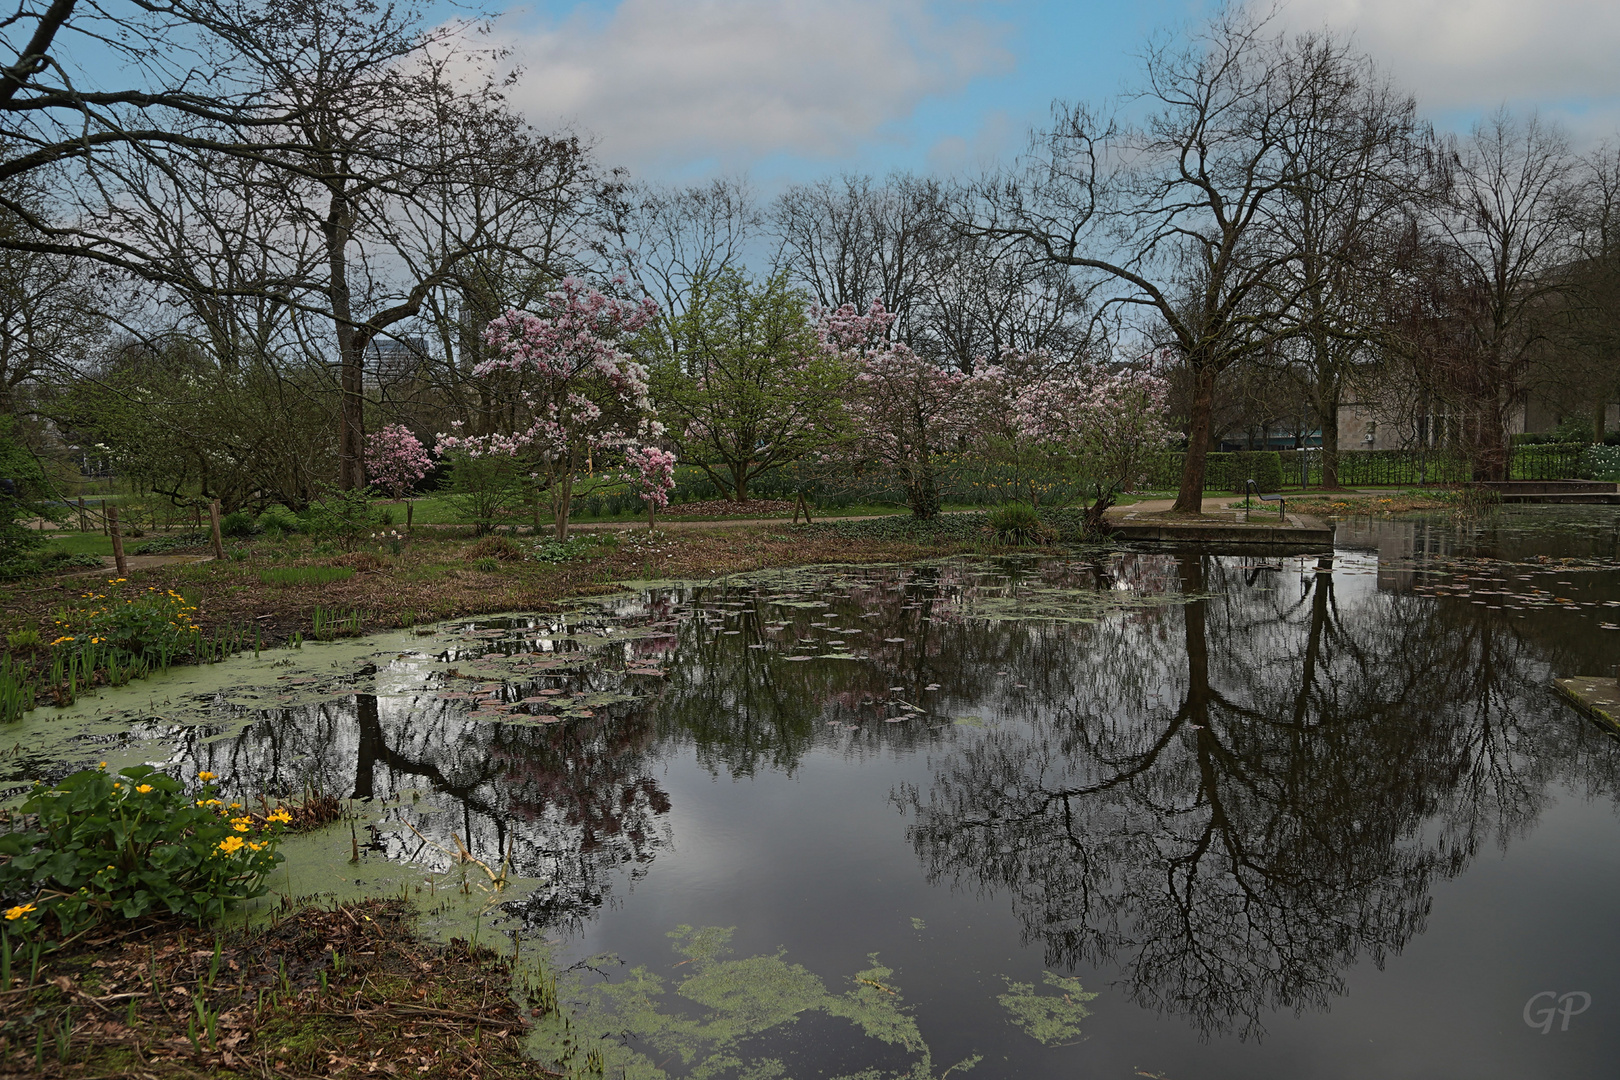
x,y
395,458
655,473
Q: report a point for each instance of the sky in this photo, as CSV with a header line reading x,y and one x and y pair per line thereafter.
x,y
788,90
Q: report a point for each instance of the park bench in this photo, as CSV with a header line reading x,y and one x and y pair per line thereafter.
x,y
1282,503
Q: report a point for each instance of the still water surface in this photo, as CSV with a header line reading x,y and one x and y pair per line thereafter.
x,y
1281,822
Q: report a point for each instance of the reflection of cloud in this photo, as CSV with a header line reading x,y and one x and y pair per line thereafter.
x,y
1478,53
661,80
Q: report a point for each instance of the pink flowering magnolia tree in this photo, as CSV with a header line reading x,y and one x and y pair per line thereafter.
x,y
396,459
1100,426
652,476
570,391
903,409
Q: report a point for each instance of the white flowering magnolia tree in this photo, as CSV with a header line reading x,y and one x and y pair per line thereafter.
x,y
1100,425
573,395
903,409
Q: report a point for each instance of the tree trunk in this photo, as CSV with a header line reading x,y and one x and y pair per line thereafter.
x,y
1327,408
1600,419
562,494
1096,511
920,489
739,482
351,415
1190,499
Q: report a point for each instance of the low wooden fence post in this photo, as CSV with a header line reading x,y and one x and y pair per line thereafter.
x,y
117,541
84,522
213,522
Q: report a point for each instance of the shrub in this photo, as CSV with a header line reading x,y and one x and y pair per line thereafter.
x,y
59,560
482,487
128,845
162,545
154,623
1018,523
1601,463
578,546
237,523
503,548
277,520
343,517
486,565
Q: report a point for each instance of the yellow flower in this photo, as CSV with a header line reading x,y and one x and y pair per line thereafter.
x,y
102,765
143,788
206,776
256,845
13,914
279,815
231,845
239,827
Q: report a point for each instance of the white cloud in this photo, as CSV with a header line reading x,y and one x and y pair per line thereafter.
x,y
675,82
1476,54
996,137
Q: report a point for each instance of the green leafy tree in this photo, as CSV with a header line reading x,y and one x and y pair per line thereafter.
x,y
24,490
749,386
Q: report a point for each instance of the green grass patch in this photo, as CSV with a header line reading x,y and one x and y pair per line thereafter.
x,y
80,543
305,575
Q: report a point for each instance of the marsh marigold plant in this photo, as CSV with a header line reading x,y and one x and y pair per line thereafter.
x,y
129,844
156,623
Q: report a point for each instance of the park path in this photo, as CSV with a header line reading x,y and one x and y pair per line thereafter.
x,y
137,562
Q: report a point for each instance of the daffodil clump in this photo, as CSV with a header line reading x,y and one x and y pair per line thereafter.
x,y
129,844
158,624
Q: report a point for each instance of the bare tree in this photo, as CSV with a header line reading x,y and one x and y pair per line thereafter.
x,y
1174,216
1354,142
854,240
1506,229
671,240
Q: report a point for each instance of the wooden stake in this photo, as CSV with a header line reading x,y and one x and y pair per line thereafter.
x,y
410,509
213,522
117,541
84,522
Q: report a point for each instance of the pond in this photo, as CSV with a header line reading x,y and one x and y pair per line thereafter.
x,y
1094,813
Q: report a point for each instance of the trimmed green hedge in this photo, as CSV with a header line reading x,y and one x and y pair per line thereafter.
x,y
1223,471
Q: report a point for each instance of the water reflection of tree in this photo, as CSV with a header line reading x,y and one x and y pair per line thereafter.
x,y
569,803
743,708
1279,810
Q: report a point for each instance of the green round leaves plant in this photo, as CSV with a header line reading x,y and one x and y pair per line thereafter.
x,y
129,844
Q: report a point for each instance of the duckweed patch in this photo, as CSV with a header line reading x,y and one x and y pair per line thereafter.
x,y
714,1016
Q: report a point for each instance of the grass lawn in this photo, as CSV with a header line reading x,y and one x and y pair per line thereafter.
x,y
78,543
